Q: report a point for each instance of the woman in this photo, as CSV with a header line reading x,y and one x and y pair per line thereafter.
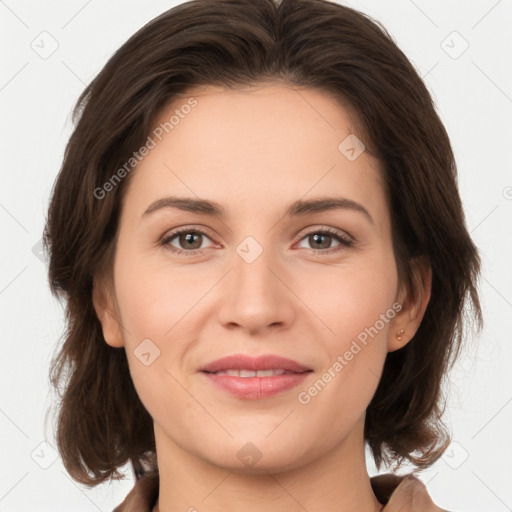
x,y
260,241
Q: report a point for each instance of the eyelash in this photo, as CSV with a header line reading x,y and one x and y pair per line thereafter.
x,y
344,241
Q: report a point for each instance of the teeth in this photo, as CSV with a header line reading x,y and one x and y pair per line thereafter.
x,y
252,373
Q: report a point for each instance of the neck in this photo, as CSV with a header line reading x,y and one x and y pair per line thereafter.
x,y
336,481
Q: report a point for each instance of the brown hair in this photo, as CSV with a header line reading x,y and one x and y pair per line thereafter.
x,y
317,44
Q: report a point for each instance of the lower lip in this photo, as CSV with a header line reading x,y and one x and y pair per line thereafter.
x,y
255,388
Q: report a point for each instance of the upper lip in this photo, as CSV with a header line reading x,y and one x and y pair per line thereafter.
x,y
245,362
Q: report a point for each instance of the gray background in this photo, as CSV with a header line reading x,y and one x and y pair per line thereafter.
x,y
51,50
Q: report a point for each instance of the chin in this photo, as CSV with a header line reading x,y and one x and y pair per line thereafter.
x,y
256,454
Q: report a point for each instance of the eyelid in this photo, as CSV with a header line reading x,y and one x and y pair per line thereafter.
x,y
319,228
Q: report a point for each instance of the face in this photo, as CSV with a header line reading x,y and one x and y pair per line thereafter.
x,y
317,286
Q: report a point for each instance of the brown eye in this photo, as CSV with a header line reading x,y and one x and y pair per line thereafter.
x,y
189,241
320,241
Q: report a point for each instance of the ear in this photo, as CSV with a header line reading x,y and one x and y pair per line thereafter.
x,y
104,305
414,304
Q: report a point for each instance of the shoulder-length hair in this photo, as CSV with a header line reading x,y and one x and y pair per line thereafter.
x,y
317,44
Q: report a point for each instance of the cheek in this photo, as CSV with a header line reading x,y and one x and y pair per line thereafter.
x,y
357,305
361,318
156,306
352,297
154,316
153,299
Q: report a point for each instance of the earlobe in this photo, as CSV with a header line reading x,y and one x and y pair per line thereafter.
x,y
105,311
399,339
413,309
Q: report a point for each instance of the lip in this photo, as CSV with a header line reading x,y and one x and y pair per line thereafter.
x,y
245,362
255,388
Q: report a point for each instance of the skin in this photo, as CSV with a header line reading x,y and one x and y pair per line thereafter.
x,y
254,151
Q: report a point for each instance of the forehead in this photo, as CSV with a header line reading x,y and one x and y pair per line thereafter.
x,y
262,145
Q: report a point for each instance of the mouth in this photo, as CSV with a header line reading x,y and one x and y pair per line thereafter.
x,y
253,385
253,373
244,362
255,378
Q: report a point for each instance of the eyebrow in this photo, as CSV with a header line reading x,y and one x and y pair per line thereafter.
x,y
296,209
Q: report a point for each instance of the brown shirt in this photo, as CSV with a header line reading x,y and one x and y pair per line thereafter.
x,y
397,493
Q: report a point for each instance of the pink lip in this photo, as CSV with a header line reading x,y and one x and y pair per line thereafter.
x,y
244,362
255,387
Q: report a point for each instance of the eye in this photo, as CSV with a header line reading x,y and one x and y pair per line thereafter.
x,y
321,240
190,240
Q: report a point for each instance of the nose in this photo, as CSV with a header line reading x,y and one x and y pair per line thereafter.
x,y
256,296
